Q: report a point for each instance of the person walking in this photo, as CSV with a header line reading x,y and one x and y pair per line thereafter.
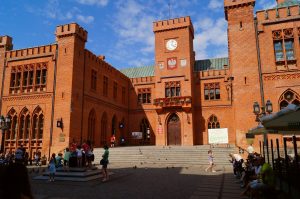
x,y
210,161
67,156
52,167
104,163
112,140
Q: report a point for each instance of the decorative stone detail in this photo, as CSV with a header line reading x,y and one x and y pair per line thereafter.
x,y
285,76
27,97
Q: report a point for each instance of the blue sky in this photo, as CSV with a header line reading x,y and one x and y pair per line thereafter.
x,y
119,29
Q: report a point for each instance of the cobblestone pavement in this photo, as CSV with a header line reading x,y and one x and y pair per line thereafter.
x,y
146,183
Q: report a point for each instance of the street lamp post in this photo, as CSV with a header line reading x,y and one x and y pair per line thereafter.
x,y
4,125
260,112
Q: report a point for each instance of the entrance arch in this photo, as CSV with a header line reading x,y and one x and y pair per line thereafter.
x,y
174,130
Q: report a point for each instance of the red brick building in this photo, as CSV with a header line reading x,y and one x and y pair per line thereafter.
x,y
61,92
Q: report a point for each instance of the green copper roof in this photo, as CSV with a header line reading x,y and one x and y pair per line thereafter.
x,y
211,64
144,71
288,3
206,64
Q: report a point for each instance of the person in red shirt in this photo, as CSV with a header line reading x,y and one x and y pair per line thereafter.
x,y
112,140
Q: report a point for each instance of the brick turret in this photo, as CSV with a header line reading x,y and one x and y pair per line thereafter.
x,y
70,30
243,62
6,42
71,39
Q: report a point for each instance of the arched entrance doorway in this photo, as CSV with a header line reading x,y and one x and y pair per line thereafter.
x,y
174,130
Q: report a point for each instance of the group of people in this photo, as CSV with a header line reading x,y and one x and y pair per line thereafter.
x,y
77,156
254,174
21,156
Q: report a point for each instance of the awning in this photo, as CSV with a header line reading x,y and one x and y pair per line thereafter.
x,y
259,130
287,119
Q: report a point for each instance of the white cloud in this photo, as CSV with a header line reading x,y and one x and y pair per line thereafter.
x,y
85,19
210,34
213,4
93,2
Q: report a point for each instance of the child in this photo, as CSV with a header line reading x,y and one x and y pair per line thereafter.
x,y
52,167
210,161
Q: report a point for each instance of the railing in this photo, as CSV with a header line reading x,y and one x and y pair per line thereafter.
x,y
286,167
173,101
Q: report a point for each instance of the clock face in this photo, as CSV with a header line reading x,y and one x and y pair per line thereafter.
x,y
171,44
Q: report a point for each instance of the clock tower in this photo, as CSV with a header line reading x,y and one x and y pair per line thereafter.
x,y
174,61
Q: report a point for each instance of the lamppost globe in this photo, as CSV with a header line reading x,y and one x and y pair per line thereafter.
x,y
269,106
256,108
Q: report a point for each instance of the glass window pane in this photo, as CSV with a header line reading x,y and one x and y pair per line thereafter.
x,y
178,91
279,56
278,46
288,45
144,97
217,93
173,92
212,94
290,55
206,96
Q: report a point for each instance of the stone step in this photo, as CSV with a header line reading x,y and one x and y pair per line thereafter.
x,y
168,155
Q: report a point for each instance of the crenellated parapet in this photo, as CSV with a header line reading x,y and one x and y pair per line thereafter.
x,y
206,74
276,15
99,61
142,80
6,42
170,24
71,30
233,4
31,52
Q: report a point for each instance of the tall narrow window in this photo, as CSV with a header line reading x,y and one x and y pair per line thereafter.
x,y
212,91
278,50
289,49
103,136
172,89
94,80
105,86
44,76
213,122
91,125
144,96
123,95
115,90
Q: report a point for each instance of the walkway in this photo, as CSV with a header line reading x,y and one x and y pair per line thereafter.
x,y
146,183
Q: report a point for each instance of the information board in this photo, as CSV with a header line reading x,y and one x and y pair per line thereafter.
x,y
218,136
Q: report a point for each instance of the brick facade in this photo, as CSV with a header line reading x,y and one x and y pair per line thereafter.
x,y
64,83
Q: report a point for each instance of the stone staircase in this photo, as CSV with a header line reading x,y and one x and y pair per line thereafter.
x,y
161,156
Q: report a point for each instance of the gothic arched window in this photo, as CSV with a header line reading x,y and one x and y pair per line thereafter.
x,y
24,124
288,97
37,124
91,125
11,131
213,122
103,129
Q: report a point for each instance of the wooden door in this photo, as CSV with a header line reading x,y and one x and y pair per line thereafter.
x,y
174,130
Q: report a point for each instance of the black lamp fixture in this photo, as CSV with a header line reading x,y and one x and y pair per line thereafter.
x,y
59,123
261,111
4,125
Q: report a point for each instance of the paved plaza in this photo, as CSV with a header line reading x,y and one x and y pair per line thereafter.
x,y
146,183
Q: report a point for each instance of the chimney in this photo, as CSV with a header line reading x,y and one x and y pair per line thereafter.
x,y
101,57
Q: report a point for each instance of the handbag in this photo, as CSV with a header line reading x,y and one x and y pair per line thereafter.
x,y
102,161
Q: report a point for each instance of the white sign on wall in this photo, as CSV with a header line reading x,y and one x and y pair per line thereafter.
x,y
137,135
218,136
